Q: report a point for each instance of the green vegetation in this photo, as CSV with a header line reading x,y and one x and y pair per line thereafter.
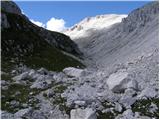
x,y
22,44
107,115
19,93
60,88
143,106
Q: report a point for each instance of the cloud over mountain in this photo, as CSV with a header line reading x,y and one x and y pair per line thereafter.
x,y
53,24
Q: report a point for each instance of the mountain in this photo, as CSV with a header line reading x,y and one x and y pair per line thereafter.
x,y
125,51
25,43
93,23
136,35
120,79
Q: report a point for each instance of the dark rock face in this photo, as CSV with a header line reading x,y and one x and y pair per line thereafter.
x,y
11,7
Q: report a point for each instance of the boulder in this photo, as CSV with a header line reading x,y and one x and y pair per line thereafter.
x,y
148,92
119,81
42,82
73,72
133,84
22,113
87,113
118,107
43,71
127,101
14,103
80,103
153,108
128,114
39,85
6,115
21,76
116,80
32,72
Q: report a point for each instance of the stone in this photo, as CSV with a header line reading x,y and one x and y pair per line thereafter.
x,y
153,108
133,84
32,72
127,101
22,113
17,93
80,103
73,72
14,72
39,85
148,92
118,107
84,93
43,71
6,115
128,114
14,103
21,76
117,80
49,93
24,105
87,113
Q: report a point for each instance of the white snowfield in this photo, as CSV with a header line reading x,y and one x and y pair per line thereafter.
x,y
93,23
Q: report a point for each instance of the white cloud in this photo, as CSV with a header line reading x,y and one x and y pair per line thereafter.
x,y
40,24
56,24
53,24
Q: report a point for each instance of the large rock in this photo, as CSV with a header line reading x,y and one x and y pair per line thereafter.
x,y
128,114
43,71
119,81
82,93
87,113
148,92
127,98
42,82
22,113
73,72
6,115
118,107
80,103
21,76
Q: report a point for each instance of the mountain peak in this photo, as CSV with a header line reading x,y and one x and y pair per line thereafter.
x,y
94,23
10,7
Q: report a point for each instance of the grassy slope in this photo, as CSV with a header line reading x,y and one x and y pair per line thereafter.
x,y
41,54
23,45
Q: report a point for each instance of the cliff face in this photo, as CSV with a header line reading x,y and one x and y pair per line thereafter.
x,y
25,42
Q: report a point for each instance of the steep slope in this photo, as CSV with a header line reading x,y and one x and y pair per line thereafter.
x,y
123,60
25,43
135,36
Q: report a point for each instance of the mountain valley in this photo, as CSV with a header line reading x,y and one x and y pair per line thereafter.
x,y
104,67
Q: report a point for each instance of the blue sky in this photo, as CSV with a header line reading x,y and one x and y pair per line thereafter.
x,y
72,12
